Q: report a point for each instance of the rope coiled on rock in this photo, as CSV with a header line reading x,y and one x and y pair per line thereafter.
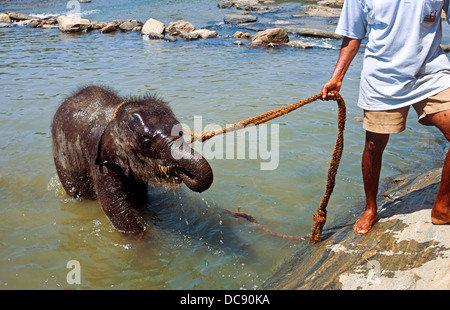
x,y
320,217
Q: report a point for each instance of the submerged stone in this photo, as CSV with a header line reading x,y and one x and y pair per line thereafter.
x,y
206,33
239,19
298,44
6,25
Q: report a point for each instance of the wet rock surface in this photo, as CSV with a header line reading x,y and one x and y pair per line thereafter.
x,y
19,16
310,32
270,36
248,5
179,26
239,19
322,11
153,26
5,18
404,250
241,14
73,24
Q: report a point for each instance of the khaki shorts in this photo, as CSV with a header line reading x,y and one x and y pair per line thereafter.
x,y
394,121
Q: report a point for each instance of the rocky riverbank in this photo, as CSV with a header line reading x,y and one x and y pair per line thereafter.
x,y
403,251
244,17
243,13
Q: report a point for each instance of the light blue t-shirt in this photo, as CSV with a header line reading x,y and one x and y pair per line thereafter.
x,y
403,61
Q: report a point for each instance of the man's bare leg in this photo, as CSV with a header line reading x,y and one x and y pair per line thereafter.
x,y
440,214
371,167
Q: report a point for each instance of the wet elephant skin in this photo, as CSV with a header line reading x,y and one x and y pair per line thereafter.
x,y
110,148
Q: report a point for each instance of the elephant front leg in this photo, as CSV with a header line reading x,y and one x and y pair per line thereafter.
x,y
117,205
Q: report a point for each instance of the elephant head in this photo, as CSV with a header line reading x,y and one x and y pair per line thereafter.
x,y
144,139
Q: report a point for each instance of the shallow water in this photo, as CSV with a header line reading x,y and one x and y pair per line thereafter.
x,y
192,243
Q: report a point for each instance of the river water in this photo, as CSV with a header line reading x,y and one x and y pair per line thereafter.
x,y
192,243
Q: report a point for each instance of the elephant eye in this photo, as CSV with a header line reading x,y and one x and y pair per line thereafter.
x,y
147,144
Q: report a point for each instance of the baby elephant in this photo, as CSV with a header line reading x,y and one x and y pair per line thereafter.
x,y
110,148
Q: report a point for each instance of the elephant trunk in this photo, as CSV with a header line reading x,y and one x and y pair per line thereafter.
x,y
193,169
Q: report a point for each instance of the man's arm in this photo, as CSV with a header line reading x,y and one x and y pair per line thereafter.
x,y
349,49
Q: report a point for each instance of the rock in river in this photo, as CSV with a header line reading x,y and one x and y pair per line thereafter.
x,y
298,44
73,24
110,27
322,11
247,5
270,36
175,28
241,35
206,33
153,36
310,32
130,25
153,26
5,18
20,16
239,19
189,36
6,25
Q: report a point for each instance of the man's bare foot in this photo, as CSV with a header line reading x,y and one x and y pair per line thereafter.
x,y
440,217
365,223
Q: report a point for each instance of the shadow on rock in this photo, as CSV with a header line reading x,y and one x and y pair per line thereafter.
x,y
408,194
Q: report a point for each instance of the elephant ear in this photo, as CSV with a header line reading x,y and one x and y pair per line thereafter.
x,y
109,152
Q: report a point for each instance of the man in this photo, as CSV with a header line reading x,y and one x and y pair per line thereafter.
x,y
403,65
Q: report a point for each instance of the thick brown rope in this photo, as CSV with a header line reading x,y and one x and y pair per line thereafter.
x,y
320,217
261,227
